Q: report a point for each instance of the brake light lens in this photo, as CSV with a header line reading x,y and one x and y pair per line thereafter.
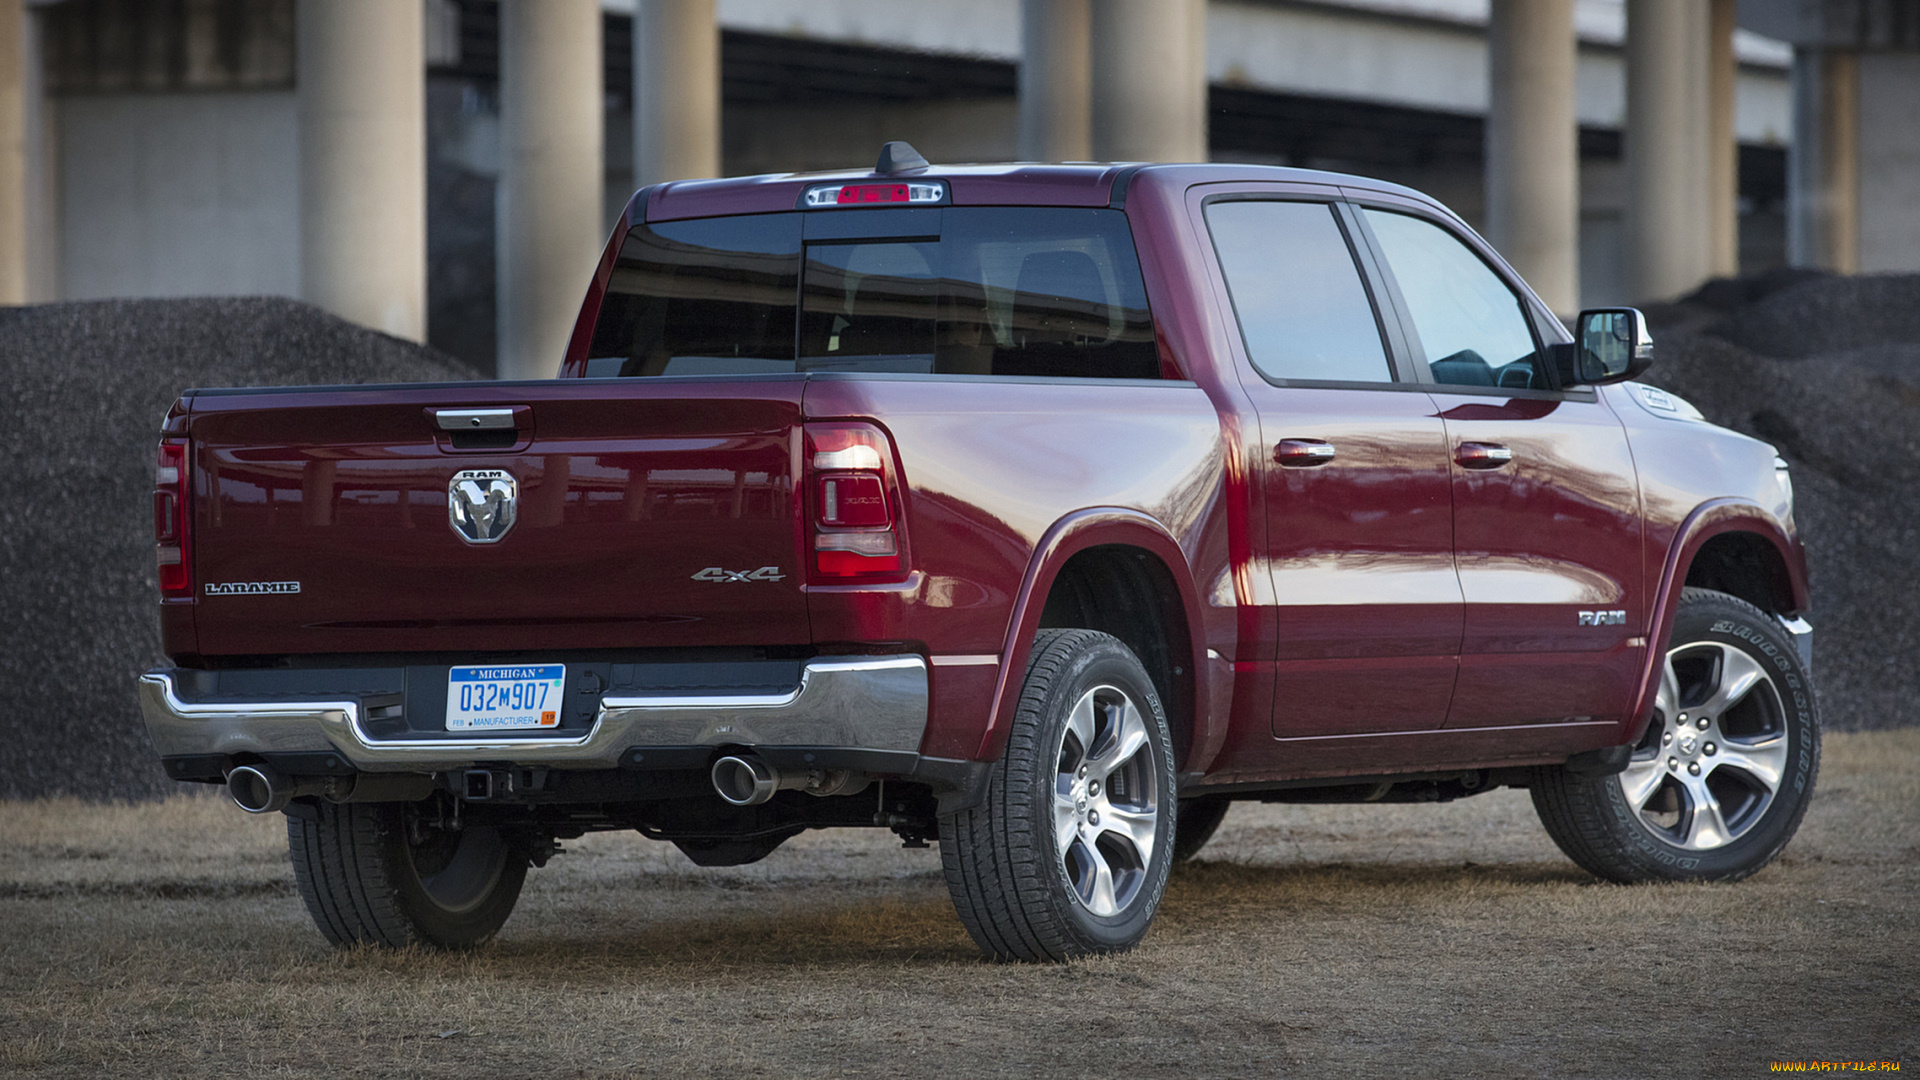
x,y
173,550
854,500
840,195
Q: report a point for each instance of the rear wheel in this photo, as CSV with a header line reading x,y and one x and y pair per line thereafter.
x,y
399,874
1069,854
1720,781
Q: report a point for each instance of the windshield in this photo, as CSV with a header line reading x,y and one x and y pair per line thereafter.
x,y
1038,291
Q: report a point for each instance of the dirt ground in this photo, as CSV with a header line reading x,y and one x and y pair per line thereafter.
x,y
166,939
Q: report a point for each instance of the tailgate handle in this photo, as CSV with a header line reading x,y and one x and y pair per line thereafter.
x,y
474,419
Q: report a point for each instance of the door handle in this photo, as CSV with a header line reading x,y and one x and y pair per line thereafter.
x,y
1303,453
1473,455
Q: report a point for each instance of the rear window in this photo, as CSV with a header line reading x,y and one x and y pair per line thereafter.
x,y
981,291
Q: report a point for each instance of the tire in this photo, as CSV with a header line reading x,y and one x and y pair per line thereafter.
x,y
385,874
1199,819
1720,781
1069,854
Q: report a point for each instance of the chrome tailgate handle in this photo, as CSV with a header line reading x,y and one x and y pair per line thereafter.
x,y
474,419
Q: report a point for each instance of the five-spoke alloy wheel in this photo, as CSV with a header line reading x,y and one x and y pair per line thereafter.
x,y
1721,778
1069,854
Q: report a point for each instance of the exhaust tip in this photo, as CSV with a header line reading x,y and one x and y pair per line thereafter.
x,y
744,781
257,790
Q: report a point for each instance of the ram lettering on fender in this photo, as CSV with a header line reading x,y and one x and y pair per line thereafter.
x,y
716,574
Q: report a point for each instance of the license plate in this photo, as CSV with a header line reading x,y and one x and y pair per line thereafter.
x,y
505,697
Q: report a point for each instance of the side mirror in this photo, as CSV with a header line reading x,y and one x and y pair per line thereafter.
x,y
1613,346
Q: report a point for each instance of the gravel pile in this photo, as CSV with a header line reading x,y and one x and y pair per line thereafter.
x,y
82,389
1827,369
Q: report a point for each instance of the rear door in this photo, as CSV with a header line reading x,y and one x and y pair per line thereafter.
x,y
1358,542
1546,518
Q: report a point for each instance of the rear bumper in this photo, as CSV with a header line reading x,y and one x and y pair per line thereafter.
x,y
870,707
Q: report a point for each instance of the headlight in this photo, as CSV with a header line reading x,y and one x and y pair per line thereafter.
x,y
1785,479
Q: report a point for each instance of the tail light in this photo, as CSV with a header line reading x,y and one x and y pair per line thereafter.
x,y
854,504
173,547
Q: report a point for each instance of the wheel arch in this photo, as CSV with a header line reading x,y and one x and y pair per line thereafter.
x,y
1723,542
1118,571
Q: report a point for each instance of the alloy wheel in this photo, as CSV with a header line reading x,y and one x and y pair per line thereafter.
x,y
1106,809
1716,749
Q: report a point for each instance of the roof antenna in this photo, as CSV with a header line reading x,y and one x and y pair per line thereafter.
x,y
898,157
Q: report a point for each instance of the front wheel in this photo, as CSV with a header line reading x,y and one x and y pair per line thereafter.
x,y
1069,854
1723,775
398,874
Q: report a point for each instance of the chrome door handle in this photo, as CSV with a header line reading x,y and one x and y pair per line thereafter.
x,y
1303,453
1473,455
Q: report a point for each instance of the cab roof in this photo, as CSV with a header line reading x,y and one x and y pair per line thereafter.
x,y
1015,184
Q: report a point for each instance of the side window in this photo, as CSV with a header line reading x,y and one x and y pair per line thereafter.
x,y
1303,311
1471,326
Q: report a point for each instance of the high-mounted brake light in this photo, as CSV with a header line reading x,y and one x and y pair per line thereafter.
x,y
854,505
173,549
922,192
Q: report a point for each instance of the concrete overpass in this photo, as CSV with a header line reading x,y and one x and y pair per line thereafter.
x,y
452,165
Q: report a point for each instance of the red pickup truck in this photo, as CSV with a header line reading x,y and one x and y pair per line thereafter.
x,y
1039,511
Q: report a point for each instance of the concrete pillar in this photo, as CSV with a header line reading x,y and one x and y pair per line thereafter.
x,y
1889,162
676,90
1666,138
1723,148
1533,146
1823,168
13,152
363,161
551,141
1149,80
1056,80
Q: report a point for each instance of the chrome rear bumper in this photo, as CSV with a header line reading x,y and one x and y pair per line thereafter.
x,y
874,703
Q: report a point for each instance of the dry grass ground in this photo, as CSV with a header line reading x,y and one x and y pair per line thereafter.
x,y
166,940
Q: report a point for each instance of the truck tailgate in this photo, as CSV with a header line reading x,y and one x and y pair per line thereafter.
x,y
646,513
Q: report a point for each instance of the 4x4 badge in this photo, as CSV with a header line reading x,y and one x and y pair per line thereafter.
x,y
714,573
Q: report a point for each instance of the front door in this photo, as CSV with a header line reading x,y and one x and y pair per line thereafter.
x,y
1355,484
1546,516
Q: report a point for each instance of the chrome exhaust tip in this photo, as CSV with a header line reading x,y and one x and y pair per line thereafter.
x,y
744,781
258,789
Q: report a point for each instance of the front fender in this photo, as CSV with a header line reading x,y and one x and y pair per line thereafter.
x,y
1708,520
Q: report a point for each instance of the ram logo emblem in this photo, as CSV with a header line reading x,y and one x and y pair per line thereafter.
x,y
482,504
1603,618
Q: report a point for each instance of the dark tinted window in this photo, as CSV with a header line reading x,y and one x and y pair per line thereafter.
x,y
1303,311
1470,325
706,297
1000,291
